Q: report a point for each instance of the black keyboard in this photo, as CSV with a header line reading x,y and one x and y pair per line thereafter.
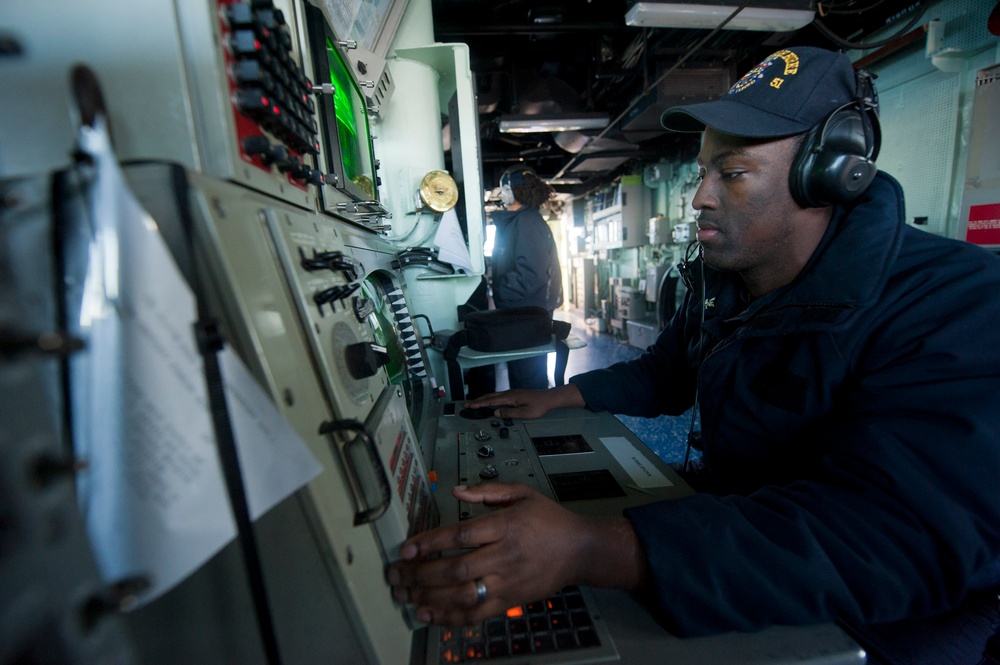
x,y
561,622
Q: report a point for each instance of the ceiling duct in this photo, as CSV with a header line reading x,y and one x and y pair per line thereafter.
x,y
762,15
685,85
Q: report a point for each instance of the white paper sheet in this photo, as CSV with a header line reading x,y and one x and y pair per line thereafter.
x,y
451,243
153,496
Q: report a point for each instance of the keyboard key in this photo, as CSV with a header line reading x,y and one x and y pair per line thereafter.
x,y
474,651
581,619
538,623
497,648
496,627
559,620
558,623
520,646
565,640
588,637
543,643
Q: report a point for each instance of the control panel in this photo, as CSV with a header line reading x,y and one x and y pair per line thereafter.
x,y
272,104
494,449
587,461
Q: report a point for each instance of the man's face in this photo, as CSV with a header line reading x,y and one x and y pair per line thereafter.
x,y
746,220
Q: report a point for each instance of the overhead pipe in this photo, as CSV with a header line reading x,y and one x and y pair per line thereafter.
x,y
694,49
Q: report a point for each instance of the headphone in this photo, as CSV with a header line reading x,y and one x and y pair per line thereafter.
x,y
506,189
836,160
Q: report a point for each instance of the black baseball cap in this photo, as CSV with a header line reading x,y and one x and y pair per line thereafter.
x,y
517,175
788,93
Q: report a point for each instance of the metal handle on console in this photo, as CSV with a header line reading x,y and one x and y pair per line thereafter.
x,y
363,438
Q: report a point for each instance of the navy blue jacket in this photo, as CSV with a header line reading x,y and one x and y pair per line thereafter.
x,y
851,432
525,262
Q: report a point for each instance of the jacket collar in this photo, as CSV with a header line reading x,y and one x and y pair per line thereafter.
x,y
848,270
502,217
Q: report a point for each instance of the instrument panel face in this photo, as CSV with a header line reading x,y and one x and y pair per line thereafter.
x,y
276,135
325,276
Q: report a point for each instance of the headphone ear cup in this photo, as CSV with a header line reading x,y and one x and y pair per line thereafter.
x,y
834,162
506,194
802,166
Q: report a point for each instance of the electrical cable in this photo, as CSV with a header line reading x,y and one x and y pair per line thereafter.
x,y
694,49
405,239
843,43
694,249
829,8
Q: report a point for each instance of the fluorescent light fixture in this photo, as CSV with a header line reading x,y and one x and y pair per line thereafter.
x,y
686,15
530,124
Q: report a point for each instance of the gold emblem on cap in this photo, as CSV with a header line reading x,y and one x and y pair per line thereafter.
x,y
438,191
790,59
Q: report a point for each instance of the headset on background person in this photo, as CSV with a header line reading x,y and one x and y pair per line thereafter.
x,y
506,182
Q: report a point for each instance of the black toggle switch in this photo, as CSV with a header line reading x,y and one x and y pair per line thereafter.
x,y
365,358
290,166
278,157
257,145
334,293
315,177
240,14
332,261
363,308
244,44
253,102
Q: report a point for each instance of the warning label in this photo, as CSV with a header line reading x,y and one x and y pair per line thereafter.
x,y
984,224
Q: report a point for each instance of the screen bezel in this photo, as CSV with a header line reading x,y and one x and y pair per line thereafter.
x,y
320,34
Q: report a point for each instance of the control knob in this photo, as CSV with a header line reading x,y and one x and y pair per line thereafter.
x,y
364,359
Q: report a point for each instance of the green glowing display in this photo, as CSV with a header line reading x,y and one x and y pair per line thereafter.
x,y
352,123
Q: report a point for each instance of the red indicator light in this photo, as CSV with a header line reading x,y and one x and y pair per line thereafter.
x,y
256,45
264,101
276,110
515,612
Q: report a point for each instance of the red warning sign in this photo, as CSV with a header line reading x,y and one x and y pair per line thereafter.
x,y
984,224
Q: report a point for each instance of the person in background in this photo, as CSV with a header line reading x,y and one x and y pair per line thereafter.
x,y
525,263
847,375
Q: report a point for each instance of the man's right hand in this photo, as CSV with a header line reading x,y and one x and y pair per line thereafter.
x,y
529,403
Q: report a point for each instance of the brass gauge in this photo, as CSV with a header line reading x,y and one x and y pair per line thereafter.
x,y
366,184
438,191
